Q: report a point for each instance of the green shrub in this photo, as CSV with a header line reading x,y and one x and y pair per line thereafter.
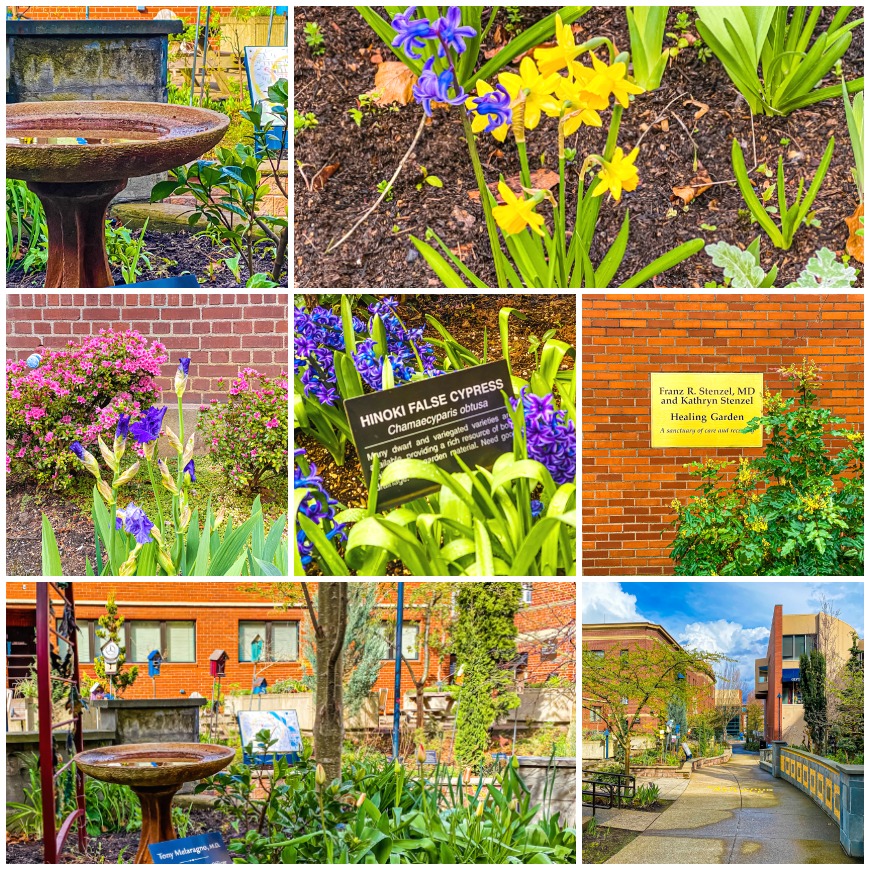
x,y
796,511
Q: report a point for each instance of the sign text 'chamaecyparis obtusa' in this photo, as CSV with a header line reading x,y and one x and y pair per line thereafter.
x,y
705,410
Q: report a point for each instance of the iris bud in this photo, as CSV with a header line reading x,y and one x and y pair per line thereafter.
x,y
188,450
128,475
320,775
128,569
166,477
105,492
108,456
164,561
173,440
421,753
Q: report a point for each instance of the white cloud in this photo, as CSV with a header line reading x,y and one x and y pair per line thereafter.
x,y
722,636
605,601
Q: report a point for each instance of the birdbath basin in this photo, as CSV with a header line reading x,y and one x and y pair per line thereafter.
x,y
77,155
155,772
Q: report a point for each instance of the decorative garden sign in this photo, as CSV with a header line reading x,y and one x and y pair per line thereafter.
x,y
201,849
462,412
705,410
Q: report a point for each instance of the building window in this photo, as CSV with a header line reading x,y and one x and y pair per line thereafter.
x,y
598,652
795,645
174,639
410,635
791,694
595,714
623,653
280,640
85,640
527,593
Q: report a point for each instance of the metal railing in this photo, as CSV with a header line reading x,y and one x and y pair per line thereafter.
x,y
610,787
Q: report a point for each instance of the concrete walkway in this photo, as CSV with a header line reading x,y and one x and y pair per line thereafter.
x,y
736,813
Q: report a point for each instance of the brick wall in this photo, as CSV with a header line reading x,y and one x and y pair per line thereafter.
x,y
627,485
218,607
220,332
122,13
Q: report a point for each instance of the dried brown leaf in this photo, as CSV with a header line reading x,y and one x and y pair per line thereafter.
x,y
542,179
698,185
855,244
319,180
703,108
393,83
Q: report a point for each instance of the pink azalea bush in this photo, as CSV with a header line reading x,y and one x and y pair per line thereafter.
x,y
76,394
247,434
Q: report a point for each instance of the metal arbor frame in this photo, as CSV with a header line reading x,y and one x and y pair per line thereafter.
x,y
53,840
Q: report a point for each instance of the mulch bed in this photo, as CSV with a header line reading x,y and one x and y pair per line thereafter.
x,y
185,253
379,254
25,505
109,847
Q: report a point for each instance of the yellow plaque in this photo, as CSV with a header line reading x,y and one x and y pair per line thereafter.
x,y
705,410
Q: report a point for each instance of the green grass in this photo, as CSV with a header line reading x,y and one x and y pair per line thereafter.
x,y
209,481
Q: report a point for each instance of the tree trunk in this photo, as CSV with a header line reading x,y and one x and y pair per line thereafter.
x,y
329,718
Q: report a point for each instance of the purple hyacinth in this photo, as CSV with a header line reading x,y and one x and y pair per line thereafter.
x,y
497,105
318,506
435,87
551,438
411,35
451,32
148,428
134,521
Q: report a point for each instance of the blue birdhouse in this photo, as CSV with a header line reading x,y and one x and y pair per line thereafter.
x,y
260,686
154,662
256,648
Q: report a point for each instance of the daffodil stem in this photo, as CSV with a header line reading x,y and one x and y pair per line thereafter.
x,y
524,164
491,228
562,241
591,219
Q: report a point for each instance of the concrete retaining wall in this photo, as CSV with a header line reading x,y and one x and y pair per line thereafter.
x,y
536,772
707,762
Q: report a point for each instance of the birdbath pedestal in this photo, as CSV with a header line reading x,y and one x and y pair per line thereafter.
x,y
155,772
77,155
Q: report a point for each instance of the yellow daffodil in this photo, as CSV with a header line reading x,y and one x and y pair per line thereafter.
x,y
532,89
516,214
611,80
553,59
579,104
617,174
480,122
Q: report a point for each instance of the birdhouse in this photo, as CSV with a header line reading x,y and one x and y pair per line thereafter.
x,y
154,662
260,686
217,663
256,648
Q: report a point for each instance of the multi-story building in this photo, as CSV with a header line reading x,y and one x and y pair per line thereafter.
x,y
777,674
600,638
186,622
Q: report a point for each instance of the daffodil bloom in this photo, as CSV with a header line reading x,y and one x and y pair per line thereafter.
x,y
534,90
579,105
553,59
516,214
611,79
481,122
617,174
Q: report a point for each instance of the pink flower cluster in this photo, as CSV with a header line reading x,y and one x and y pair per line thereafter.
x,y
247,434
76,394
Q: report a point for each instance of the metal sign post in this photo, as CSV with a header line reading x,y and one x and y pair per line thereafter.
x,y
400,613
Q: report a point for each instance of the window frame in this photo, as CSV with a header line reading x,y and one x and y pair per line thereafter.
x,y
527,589
790,654
164,643
268,639
90,623
390,640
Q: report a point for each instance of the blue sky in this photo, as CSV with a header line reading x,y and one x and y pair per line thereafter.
x,y
731,618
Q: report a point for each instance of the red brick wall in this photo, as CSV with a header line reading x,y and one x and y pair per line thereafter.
x,y
217,626
773,723
220,332
123,13
627,485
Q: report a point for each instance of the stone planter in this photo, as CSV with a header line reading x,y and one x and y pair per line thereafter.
x,y
151,720
536,771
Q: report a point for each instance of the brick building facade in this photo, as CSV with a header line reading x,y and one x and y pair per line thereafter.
x,y
627,485
187,622
220,332
602,639
114,13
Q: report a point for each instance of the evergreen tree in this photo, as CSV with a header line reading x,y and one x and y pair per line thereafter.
x,y
677,713
850,704
110,624
812,686
484,641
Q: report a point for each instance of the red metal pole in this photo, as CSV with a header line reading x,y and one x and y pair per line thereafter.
x,y
46,740
78,729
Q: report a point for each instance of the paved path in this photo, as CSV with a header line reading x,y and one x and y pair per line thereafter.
x,y
736,813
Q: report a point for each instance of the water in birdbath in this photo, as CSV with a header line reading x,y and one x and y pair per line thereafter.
x,y
81,137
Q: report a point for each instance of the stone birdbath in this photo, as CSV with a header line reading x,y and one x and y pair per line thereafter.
x,y
77,155
155,772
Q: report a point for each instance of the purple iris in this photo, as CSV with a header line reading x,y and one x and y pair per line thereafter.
x,y
450,31
136,523
148,428
184,365
496,104
191,471
123,427
79,451
436,87
411,35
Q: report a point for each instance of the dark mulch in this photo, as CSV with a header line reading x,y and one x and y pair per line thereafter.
x,y
112,847
25,505
171,255
378,256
